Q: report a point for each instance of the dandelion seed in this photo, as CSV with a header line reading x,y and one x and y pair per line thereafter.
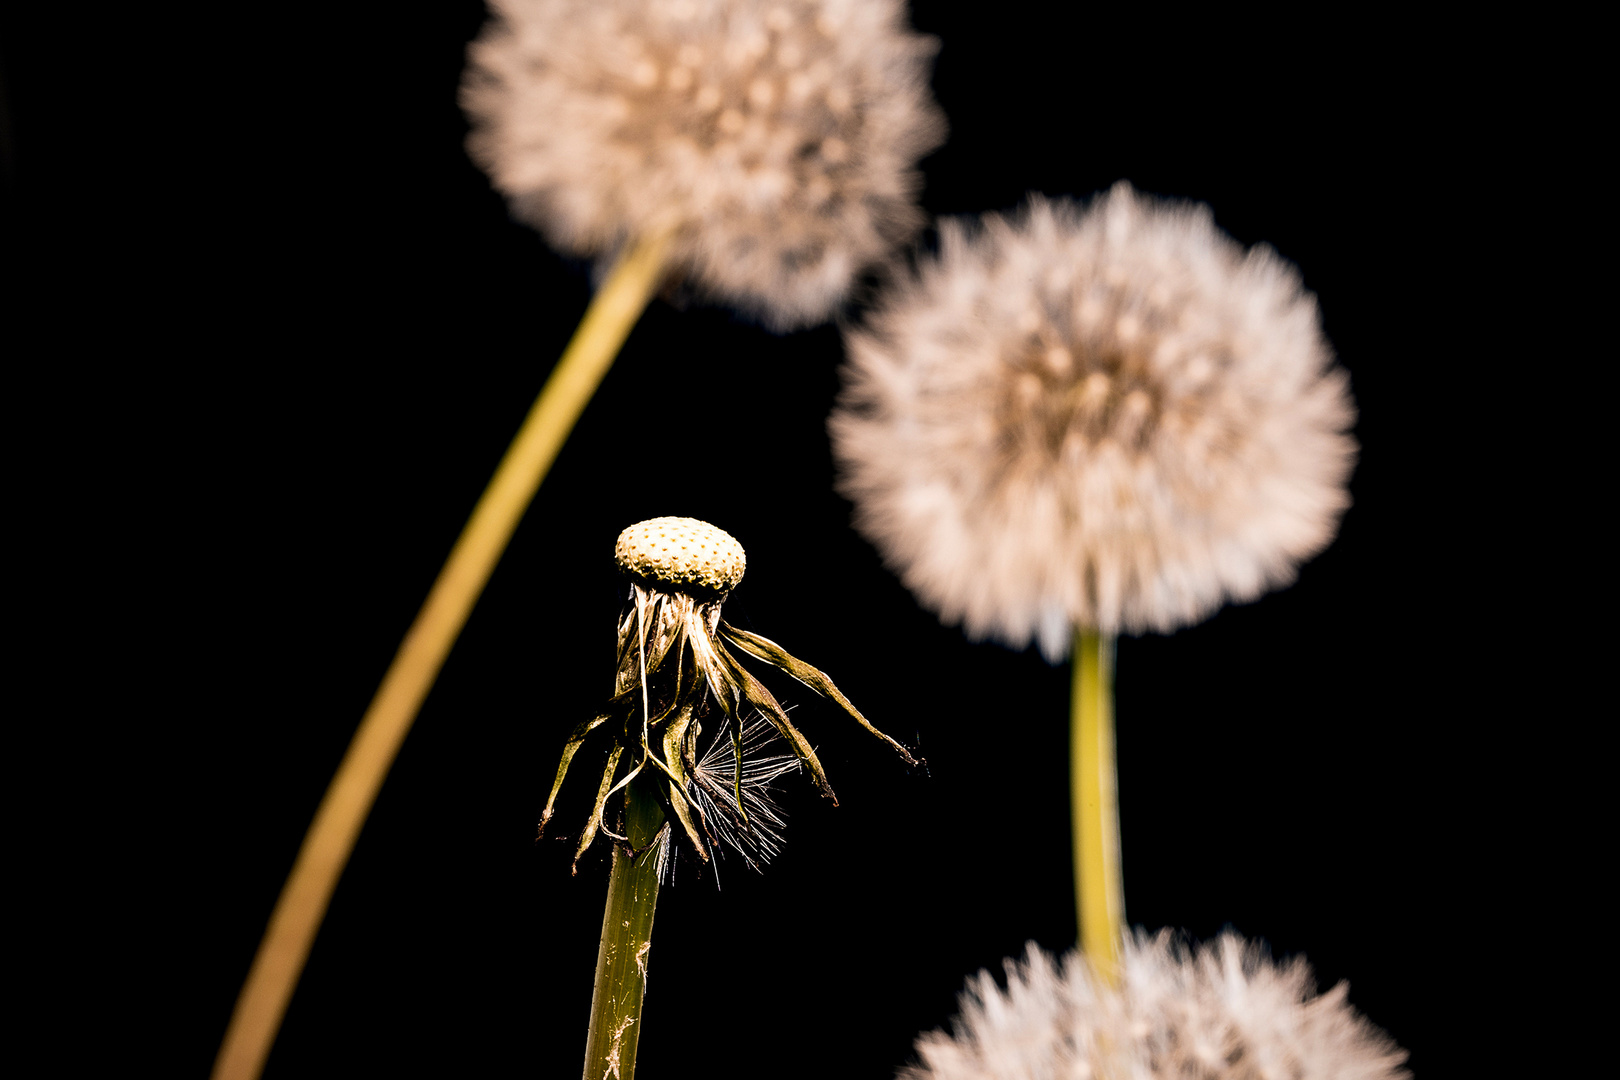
x,y
1111,418
580,126
756,834
1221,1011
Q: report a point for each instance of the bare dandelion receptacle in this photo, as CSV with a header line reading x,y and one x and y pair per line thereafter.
x,y
681,553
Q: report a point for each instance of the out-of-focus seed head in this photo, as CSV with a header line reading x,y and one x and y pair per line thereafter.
x,y
778,138
1218,1011
1111,417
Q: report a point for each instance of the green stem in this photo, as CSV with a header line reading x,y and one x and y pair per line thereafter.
x,y
621,962
1094,787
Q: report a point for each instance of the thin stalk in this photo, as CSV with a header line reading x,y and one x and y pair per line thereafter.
x,y
343,810
1094,786
621,960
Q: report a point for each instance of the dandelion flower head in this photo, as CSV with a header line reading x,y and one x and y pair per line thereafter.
x,y
777,138
1222,1011
1111,417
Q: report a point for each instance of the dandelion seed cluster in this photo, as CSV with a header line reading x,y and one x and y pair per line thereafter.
x,y
1222,1011
779,139
1113,418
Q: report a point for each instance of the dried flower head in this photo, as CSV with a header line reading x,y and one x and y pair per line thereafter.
x,y
777,137
1112,418
1222,1011
674,672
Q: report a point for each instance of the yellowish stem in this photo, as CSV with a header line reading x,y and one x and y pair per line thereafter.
x,y
1098,886
343,810
621,958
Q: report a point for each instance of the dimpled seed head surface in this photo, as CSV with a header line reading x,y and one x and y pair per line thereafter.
x,y
681,551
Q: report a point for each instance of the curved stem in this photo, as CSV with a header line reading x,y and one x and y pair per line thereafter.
x,y
1093,780
331,837
621,960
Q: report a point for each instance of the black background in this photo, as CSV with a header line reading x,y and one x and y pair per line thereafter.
x,y
282,330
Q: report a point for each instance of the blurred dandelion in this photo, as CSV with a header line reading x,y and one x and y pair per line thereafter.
x,y
674,672
1081,422
776,141
1221,1011
1114,419
768,149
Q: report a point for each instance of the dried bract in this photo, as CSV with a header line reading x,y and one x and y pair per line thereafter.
x,y
674,672
1222,1011
1113,418
778,138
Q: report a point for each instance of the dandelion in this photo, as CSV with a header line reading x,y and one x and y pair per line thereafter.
x,y
1221,1011
1115,419
1077,422
776,140
675,671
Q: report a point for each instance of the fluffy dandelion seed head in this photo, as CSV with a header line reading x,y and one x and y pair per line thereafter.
x,y
777,138
1222,1011
681,553
1113,417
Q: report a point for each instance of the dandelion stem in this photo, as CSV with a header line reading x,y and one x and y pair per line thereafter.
x,y
1093,780
331,837
621,960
